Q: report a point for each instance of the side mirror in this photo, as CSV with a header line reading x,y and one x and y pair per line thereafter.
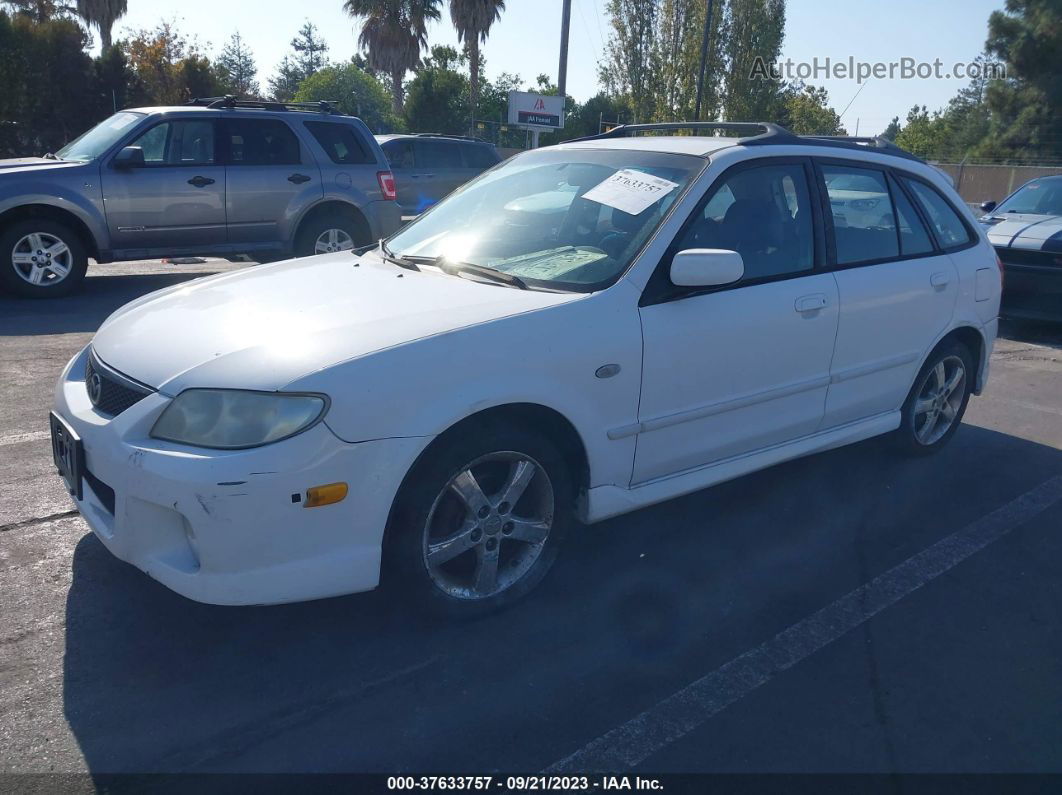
x,y
706,267
129,157
988,206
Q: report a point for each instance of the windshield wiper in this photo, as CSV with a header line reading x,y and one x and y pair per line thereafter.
x,y
485,271
394,259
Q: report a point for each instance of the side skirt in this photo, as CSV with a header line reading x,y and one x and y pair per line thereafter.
x,y
604,502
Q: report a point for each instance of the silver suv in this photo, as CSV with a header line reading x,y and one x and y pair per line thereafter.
x,y
219,177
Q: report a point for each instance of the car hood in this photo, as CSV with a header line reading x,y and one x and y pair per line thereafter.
x,y
264,327
34,164
1023,230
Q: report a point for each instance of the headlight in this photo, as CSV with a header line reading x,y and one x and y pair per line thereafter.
x,y
230,419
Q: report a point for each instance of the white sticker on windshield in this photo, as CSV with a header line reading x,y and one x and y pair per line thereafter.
x,y
121,121
630,191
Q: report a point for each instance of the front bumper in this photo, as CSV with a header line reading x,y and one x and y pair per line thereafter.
x,y
222,526
1032,291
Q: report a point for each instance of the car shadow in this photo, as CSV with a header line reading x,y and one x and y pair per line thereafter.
x,y
636,608
1032,331
86,309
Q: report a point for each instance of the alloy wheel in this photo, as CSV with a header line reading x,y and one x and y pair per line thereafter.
x,y
333,240
488,525
42,259
939,400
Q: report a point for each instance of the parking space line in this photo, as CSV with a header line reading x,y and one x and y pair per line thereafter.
x,y
677,715
18,438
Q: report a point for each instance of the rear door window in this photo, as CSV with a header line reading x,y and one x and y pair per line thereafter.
x,y
479,156
864,226
340,142
261,142
438,154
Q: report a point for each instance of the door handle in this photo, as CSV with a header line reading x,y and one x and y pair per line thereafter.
x,y
940,279
200,182
811,303
298,179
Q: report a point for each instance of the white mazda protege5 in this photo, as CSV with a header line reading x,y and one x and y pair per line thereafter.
x,y
584,330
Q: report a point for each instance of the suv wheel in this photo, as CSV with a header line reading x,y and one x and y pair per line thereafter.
x,y
937,401
41,259
326,235
479,522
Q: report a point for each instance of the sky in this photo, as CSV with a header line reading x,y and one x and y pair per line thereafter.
x,y
525,41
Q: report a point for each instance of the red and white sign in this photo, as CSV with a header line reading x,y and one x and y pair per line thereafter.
x,y
536,111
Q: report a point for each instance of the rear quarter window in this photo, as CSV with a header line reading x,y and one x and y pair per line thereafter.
x,y
946,223
438,154
341,143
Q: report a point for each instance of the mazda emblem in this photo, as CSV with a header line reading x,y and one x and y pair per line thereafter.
x,y
95,388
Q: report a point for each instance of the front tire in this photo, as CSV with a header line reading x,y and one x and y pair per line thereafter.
x,y
935,406
327,235
479,522
41,258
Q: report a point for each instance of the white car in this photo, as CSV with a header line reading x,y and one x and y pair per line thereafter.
x,y
442,406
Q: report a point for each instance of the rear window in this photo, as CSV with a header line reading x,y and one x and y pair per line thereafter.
x,y
340,142
261,142
399,153
479,156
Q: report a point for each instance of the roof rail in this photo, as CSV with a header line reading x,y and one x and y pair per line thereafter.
x,y
874,142
447,135
229,101
761,133
754,130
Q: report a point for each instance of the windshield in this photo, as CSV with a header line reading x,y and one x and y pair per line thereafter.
x,y
1042,197
555,219
100,138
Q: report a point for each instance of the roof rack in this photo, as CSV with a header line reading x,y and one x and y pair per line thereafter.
x,y
760,133
753,129
230,101
447,135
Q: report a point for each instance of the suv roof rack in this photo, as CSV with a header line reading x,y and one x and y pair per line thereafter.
x,y
447,135
231,102
760,133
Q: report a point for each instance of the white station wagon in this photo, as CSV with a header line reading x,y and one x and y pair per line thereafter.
x,y
582,331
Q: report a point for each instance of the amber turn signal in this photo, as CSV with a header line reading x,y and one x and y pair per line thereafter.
x,y
325,495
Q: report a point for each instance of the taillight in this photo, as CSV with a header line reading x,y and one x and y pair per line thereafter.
x,y
1002,273
387,184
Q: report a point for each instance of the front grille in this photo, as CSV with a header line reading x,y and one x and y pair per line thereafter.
x,y
114,393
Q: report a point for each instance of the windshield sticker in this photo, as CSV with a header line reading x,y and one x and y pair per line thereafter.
x,y
630,191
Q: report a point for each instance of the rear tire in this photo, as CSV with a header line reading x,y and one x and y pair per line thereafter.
x,y
465,546
328,234
937,402
41,258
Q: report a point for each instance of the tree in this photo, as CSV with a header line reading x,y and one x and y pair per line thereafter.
x,y
102,14
892,130
237,69
805,110
311,51
755,29
924,133
472,19
39,10
310,54
438,96
677,59
354,91
169,67
393,32
1026,107
628,67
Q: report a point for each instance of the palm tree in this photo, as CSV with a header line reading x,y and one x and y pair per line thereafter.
x,y
472,19
103,14
393,33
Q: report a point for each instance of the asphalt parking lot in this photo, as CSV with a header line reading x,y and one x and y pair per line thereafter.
x,y
848,612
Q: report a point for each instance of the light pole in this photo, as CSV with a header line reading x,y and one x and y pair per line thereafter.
x,y
562,71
